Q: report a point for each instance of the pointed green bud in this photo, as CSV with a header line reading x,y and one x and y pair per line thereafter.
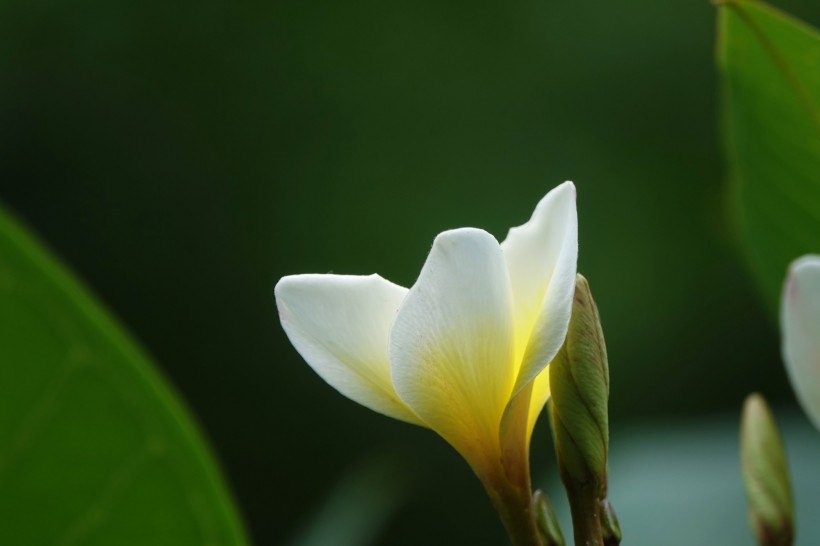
x,y
548,526
765,475
610,528
579,381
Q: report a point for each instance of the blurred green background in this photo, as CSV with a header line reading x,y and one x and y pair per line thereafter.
x,y
181,157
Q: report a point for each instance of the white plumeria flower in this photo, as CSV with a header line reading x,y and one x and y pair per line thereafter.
x,y
462,350
800,327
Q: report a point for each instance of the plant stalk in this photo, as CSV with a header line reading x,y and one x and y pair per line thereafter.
x,y
512,499
585,507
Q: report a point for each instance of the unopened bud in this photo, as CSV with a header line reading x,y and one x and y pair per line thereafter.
x,y
765,475
610,528
579,381
548,526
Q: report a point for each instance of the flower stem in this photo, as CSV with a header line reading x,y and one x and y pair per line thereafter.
x,y
513,502
586,520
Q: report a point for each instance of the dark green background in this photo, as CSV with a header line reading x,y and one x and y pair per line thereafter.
x,y
182,156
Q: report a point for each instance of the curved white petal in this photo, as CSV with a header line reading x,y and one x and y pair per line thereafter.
x,y
542,258
340,324
800,326
452,348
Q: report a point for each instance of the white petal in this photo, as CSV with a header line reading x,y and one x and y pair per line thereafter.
x,y
800,324
340,325
542,258
452,348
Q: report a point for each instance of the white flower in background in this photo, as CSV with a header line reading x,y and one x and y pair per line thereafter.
x,y
800,324
463,351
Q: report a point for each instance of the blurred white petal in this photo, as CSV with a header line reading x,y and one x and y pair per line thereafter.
x,y
800,324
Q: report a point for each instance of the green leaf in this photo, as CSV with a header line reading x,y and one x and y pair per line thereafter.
x,y
95,449
770,64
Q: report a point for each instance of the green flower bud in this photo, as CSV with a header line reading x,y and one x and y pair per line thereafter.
x,y
579,381
610,528
548,526
765,475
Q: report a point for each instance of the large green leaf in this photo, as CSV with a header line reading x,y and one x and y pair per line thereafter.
x,y
94,447
771,82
